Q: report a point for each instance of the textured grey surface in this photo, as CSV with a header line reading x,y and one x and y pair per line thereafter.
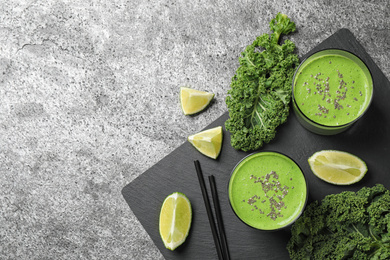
x,y
89,101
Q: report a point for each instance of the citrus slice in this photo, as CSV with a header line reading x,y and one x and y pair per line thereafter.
x,y
208,142
193,101
337,167
175,220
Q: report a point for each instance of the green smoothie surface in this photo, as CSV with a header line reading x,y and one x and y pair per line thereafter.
x,y
267,190
332,89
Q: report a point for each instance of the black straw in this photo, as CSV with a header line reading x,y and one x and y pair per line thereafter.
x,y
208,209
225,249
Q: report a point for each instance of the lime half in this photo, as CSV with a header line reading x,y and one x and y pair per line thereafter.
x,y
175,220
193,101
337,167
208,142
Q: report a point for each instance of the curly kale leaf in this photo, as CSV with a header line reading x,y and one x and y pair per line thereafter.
x,y
349,225
260,93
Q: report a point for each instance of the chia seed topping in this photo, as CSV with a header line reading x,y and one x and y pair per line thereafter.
x,y
273,191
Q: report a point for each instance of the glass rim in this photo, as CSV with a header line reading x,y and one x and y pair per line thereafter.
x,y
332,126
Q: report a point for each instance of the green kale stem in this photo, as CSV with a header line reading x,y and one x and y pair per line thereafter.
x,y
372,234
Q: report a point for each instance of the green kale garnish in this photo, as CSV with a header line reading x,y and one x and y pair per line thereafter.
x,y
260,93
348,225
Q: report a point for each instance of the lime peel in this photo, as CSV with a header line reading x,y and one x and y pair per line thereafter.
x,y
337,167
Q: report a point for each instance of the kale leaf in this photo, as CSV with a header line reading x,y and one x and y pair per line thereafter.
x,y
260,93
348,225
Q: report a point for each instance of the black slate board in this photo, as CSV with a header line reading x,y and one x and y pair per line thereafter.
x,y
369,139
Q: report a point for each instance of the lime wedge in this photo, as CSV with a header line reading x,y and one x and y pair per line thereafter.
x,y
193,101
337,167
175,220
208,142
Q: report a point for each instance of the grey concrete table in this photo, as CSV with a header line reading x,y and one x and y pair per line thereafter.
x,y
89,101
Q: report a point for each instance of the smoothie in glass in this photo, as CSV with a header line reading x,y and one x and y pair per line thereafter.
x,y
267,191
331,90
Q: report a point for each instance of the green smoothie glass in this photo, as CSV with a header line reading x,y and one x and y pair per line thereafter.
x,y
331,90
267,191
